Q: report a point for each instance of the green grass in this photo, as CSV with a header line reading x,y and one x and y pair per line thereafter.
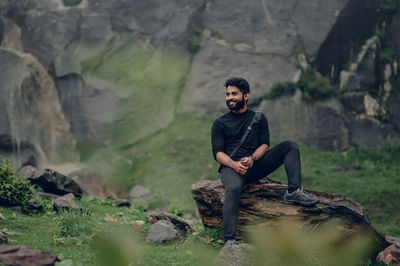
x,y
58,234
172,159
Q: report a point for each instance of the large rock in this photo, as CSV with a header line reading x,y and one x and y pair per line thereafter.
x,y
180,224
320,123
25,256
262,203
162,231
66,202
51,181
33,128
240,255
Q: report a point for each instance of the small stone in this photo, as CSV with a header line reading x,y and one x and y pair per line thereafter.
x,y
204,240
122,202
3,238
66,202
162,231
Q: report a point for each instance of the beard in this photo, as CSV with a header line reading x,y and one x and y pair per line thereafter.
x,y
239,104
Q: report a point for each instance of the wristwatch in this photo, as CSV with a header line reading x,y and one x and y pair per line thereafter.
x,y
254,158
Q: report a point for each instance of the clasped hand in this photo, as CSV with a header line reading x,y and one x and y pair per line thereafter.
x,y
243,165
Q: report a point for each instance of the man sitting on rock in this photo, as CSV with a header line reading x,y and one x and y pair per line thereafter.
x,y
248,160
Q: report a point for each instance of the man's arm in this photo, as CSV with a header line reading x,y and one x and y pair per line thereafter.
x,y
224,159
248,161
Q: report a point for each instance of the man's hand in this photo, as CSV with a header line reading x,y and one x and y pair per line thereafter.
x,y
239,168
247,161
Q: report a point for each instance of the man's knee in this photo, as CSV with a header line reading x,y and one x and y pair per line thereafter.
x,y
291,144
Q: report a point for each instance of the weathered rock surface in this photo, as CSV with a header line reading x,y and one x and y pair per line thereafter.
x,y
162,231
33,126
263,203
391,254
181,225
319,123
240,255
45,42
329,124
25,256
51,181
66,202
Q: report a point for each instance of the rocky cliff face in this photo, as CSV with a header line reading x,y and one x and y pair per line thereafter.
x,y
112,65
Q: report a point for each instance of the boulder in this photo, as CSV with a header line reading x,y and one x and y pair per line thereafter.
x,y
51,181
180,224
162,231
25,256
262,203
66,202
240,255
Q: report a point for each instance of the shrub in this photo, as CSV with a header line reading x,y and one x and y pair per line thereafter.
x,y
387,56
311,86
316,87
281,88
14,190
195,40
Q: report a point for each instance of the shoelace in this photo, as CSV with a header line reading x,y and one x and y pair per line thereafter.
x,y
305,192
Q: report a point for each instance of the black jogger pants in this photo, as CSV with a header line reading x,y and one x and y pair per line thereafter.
x,y
286,153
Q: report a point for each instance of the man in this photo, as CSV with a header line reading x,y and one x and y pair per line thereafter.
x,y
253,160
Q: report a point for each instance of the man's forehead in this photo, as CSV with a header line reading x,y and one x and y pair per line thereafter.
x,y
232,89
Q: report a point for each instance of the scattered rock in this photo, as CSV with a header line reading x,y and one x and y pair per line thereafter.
x,y
35,205
264,202
204,240
122,202
236,256
25,256
51,181
66,202
162,231
139,191
46,196
3,238
181,225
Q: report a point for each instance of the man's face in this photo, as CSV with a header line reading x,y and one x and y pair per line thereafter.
x,y
235,100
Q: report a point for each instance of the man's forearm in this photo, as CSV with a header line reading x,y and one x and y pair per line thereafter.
x,y
224,159
261,151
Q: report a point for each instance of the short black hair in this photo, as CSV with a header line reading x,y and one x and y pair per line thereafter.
x,y
239,83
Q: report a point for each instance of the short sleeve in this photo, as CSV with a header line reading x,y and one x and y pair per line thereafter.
x,y
264,131
217,138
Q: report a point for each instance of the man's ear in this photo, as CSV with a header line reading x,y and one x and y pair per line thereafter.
x,y
247,96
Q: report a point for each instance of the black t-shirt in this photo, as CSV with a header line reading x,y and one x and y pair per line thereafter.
x,y
228,129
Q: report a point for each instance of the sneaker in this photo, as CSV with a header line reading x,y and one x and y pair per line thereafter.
x,y
300,197
231,243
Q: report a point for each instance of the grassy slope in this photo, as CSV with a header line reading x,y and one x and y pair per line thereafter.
x,y
174,158
178,156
